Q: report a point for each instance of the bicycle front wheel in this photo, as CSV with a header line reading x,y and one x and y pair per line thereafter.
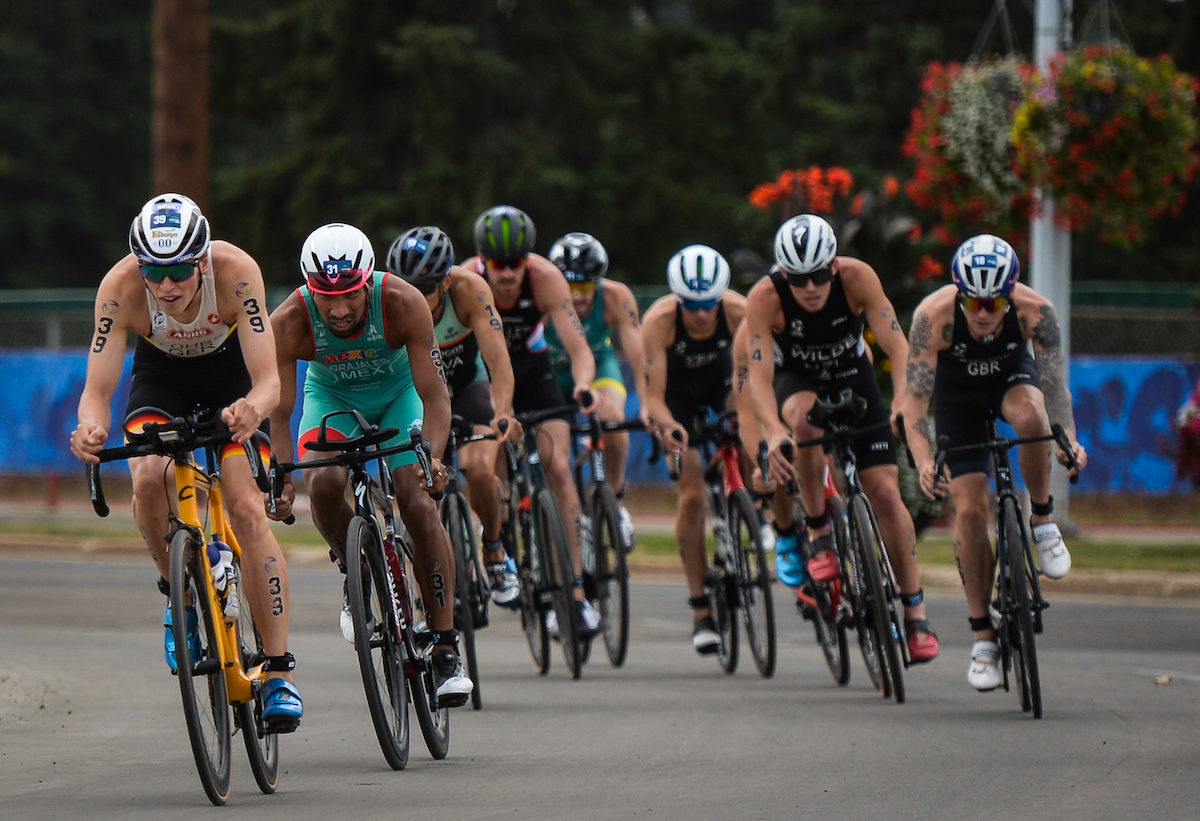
x,y
553,540
876,613
1019,622
462,541
754,581
516,531
261,748
376,642
611,582
201,683
856,594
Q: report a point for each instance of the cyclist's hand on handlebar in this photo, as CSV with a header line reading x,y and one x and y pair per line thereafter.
x,y
675,440
1080,457
512,431
283,504
440,478
87,440
242,418
932,486
588,399
782,469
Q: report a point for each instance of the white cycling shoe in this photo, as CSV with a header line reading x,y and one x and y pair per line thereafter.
x,y
984,673
1053,556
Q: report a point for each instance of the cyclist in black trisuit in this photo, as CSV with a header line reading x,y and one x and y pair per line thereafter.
x,y
805,324
970,352
688,336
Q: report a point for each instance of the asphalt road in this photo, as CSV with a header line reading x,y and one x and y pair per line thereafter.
x,y
90,725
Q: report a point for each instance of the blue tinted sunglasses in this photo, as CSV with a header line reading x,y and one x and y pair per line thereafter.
x,y
176,273
699,304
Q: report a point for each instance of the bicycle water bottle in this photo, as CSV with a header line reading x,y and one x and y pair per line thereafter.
x,y
220,557
586,548
721,534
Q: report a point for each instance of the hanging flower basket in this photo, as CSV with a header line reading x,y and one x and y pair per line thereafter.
x,y
1112,137
960,139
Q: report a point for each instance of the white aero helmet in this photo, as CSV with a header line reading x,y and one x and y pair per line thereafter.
x,y
169,230
698,274
336,259
805,244
985,267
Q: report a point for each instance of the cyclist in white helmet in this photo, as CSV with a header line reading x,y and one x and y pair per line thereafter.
x,y
198,307
805,324
369,342
688,336
968,353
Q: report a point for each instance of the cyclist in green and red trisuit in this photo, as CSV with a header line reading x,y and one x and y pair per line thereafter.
x,y
368,338
584,262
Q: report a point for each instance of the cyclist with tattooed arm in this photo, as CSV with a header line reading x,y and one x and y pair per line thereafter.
x,y
970,353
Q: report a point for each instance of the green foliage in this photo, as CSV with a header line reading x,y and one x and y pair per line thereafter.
x,y
645,122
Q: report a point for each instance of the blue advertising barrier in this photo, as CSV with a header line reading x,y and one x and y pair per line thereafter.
x,y
1123,411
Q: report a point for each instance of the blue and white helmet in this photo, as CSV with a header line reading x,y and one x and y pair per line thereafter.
x,y
698,274
805,244
985,267
169,230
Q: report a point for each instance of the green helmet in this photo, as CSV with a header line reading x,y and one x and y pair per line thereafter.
x,y
504,233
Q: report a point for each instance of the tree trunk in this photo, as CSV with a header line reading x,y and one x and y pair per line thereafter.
x,y
180,140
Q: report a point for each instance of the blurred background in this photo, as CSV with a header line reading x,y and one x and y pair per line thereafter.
x,y
647,123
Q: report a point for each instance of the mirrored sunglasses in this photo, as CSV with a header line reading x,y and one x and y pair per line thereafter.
x,y
502,264
699,304
582,287
821,276
176,273
991,305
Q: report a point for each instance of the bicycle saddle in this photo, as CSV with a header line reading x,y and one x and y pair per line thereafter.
x,y
843,412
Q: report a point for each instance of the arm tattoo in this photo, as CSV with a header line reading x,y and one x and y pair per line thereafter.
x,y
921,335
1051,370
566,306
922,427
920,379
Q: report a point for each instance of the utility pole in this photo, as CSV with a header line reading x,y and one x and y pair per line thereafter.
x,y
180,140
1050,246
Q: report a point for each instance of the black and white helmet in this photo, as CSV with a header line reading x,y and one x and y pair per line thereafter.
x,y
805,244
169,230
580,257
336,259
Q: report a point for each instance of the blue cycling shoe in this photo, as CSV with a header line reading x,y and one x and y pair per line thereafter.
x,y
195,652
789,564
282,707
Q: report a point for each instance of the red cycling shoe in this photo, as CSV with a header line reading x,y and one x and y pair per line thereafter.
x,y
823,566
921,650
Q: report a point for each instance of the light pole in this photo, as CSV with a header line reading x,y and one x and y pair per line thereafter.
x,y
1050,246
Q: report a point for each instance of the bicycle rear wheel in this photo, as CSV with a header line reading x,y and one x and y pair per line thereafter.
x,y
557,555
458,525
1020,621
876,615
202,685
610,587
376,643
261,748
754,581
